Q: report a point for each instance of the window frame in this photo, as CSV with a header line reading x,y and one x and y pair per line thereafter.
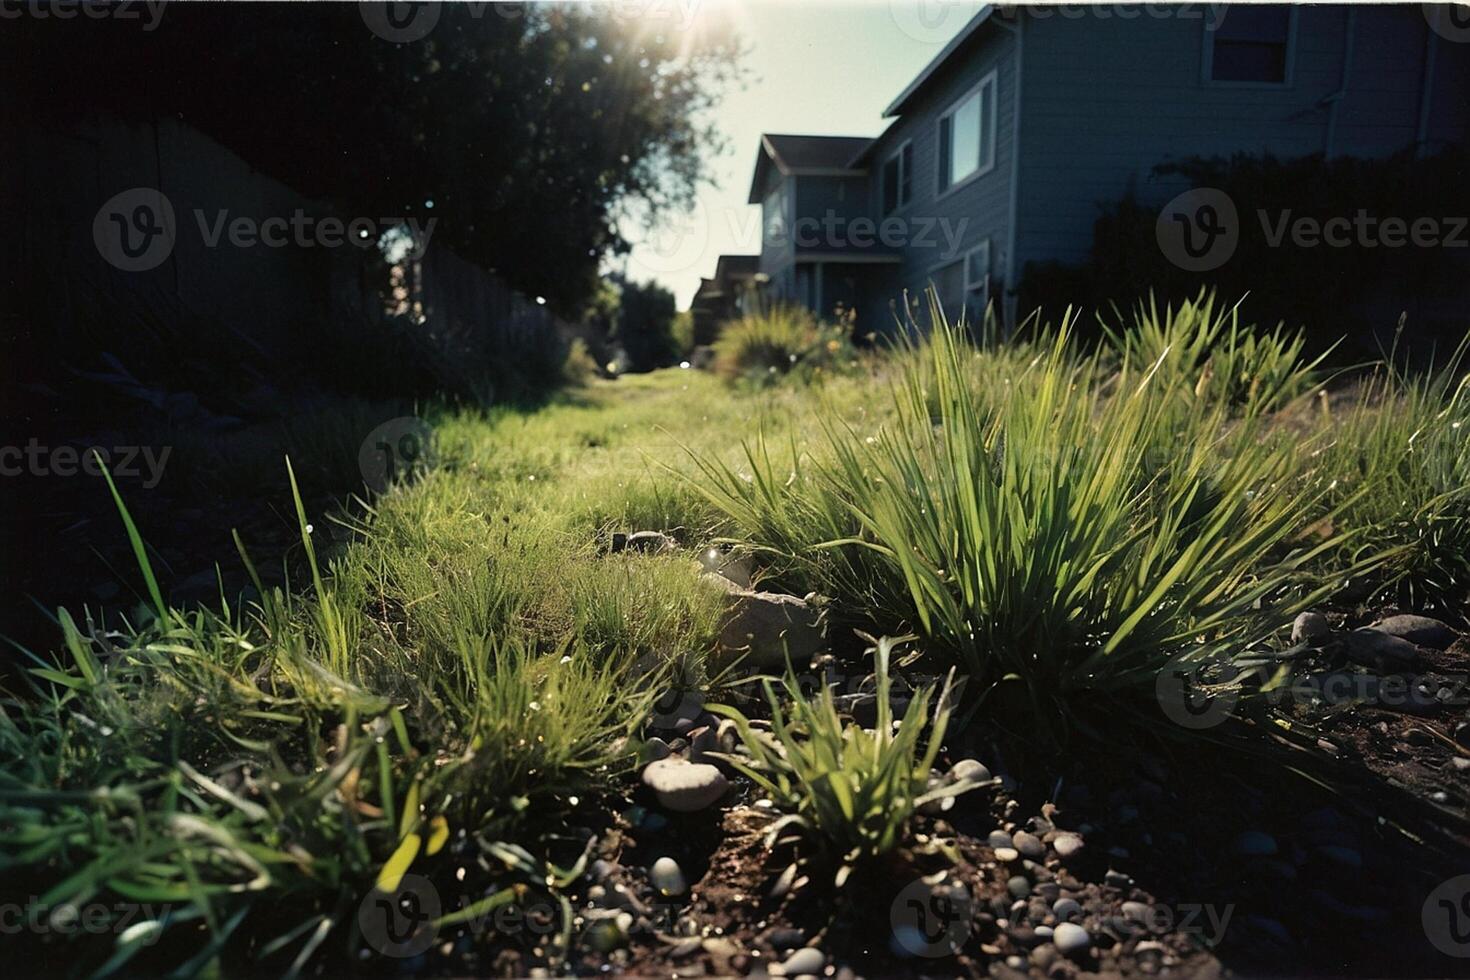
x,y
904,170
988,90
1207,59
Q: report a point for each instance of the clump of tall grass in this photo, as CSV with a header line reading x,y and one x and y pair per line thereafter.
x,y
235,780
849,790
1398,462
1201,352
1048,537
782,341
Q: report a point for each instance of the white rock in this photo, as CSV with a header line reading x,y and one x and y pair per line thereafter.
x,y
803,961
1071,939
668,877
685,787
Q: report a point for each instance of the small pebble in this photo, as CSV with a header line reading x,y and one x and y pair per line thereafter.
x,y
970,769
1309,626
1066,908
998,838
668,877
804,960
1019,886
1071,939
1067,845
1029,845
1006,855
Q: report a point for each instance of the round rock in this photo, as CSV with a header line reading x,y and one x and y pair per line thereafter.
x,y
1067,845
668,877
685,787
803,961
1309,626
968,769
1071,939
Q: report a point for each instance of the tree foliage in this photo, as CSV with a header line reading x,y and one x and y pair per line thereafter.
x,y
527,131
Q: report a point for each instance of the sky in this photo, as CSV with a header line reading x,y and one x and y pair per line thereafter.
x,y
826,67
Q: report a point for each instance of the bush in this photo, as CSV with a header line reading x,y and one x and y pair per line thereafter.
x,y
1354,291
785,340
1398,466
1055,539
1207,356
851,790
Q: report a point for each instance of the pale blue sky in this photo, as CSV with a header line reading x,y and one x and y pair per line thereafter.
x,y
827,67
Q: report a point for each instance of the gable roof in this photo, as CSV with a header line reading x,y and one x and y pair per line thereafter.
x,y
792,154
736,267
898,105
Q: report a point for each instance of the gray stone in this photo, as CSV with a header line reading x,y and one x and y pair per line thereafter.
x,y
761,629
1066,908
736,569
969,769
803,961
667,877
1029,845
1019,886
1381,651
1418,630
685,787
1071,939
648,542
998,838
1067,845
782,939
655,749
1309,626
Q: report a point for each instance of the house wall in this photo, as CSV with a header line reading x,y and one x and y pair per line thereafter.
x,y
1107,99
940,229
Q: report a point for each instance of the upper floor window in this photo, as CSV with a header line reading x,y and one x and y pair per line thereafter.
x,y
1252,43
898,179
967,136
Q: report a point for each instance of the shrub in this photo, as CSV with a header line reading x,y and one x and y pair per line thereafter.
x,y
1204,354
785,340
1054,539
850,790
1398,462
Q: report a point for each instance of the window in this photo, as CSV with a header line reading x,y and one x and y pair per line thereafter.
x,y
898,179
967,136
1251,44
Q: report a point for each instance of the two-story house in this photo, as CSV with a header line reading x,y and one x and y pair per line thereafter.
x,y
1002,150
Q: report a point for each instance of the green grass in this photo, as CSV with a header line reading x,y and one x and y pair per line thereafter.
x,y
1398,464
783,341
1060,537
851,791
455,688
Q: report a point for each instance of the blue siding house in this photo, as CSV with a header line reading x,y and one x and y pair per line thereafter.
x,y
1002,150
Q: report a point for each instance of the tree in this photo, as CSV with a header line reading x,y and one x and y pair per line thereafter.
x,y
525,131
645,325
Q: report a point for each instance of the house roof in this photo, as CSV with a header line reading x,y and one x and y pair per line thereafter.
x,y
898,105
737,267
792,154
